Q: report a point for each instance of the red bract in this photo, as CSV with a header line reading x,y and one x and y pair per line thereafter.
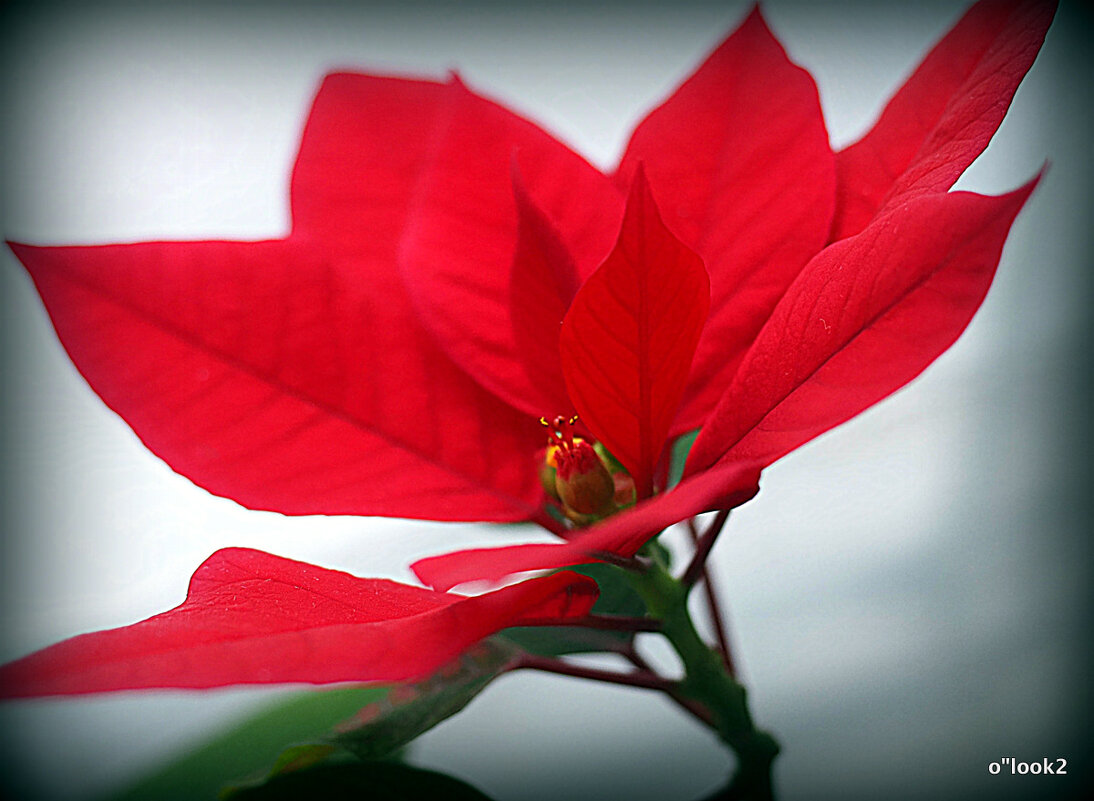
x,y
629,335
253,618
621,535
454,273
944,115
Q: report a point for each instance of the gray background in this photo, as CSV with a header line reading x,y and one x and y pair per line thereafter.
x,y
909,593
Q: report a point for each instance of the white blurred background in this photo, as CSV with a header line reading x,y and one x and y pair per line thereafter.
x,y
908,594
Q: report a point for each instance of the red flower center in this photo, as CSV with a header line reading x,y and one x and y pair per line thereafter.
x,y
561,443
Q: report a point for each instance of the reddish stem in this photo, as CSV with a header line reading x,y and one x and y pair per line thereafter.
x,y
713,605
617,623
702,548
632,563
691,707
639,678
601,622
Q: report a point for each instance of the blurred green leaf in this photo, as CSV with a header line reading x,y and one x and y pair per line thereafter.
x,y
375,781
610,462
251,747
681,447
657,551
302,756
617,597
298,757
410,709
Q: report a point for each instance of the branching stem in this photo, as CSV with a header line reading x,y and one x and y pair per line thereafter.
x,y
691,707
714,607
702,549
637,678
707,682
616,623
631,563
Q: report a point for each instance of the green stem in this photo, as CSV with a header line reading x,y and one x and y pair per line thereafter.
x,y
707,682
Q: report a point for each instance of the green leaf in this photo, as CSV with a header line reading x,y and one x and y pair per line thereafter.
x,y
250,747
610,462
375,781
617,597
656,550
410,709
298,757
681,447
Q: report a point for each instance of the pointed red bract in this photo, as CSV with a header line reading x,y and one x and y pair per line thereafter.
x,y
739,160
364,148
944,115
723,487
286,379
629,336
253,618
457,256
864,318
543,282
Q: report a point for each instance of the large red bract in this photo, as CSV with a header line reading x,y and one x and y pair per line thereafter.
x,y
253,618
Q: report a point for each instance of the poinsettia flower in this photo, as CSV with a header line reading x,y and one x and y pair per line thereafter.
x,y
454,273
253,618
